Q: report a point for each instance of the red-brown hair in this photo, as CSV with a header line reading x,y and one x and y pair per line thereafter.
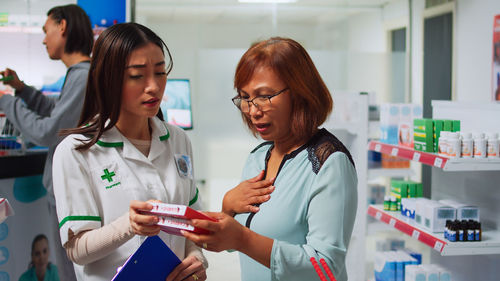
x,y
311,100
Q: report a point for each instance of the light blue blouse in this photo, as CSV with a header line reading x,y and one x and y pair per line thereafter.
x,y
310,214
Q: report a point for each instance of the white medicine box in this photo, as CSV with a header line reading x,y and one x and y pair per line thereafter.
x,y
464,211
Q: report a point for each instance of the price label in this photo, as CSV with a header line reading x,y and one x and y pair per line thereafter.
x,y
394,152
416,156
378,147
415,234
438,162
392,222
378,215
438,246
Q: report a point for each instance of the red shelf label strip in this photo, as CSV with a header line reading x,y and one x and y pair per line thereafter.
x,y
409,230
408,153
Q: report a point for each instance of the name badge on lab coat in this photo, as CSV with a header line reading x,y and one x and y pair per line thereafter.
x,y
184,166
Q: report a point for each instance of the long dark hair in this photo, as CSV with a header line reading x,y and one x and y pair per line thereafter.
x,y
103,96
79,35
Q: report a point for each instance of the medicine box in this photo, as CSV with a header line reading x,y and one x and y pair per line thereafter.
x,y
436,214
415,273
463,211
423,135
419,210
437,128
408,207
389,121
405,126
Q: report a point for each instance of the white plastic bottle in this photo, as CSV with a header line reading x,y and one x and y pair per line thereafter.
x,y
467,145
442,143
492,145
479,145
454,145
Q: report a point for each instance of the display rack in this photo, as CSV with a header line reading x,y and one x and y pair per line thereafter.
x,y
476,184
432,159
488,246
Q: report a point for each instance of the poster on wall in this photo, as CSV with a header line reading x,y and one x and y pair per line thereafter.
x,y
496,59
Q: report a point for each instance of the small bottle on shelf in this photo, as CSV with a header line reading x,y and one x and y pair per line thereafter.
x,y
387,203
492,145
454,146
478,231
471,231
479,145
467,145
442,143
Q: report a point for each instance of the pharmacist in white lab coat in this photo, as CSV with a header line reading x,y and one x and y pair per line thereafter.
x,y
122,155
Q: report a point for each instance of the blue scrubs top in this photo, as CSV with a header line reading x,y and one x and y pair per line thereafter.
x,y
310,214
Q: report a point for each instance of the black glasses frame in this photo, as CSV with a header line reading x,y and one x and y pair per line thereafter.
x,y
238,100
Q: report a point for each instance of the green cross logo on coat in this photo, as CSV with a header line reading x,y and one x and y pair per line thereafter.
x,y
107,175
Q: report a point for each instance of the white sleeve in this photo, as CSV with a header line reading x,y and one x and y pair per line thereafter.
x,y
76,206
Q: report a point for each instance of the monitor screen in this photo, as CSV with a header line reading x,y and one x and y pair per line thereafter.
x,y
176,103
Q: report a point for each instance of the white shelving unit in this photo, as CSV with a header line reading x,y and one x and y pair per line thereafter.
x,y
489,245
432,159
474,181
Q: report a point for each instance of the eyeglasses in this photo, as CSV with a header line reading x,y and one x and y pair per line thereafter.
x,y
263,103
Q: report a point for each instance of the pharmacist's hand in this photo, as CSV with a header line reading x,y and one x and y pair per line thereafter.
x,y
189,269
142,224
244,196
14,82
225,234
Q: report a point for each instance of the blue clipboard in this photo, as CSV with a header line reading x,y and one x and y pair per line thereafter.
x,y
152,261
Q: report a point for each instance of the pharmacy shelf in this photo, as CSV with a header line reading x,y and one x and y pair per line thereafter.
x,y
432,159
388,172
490,244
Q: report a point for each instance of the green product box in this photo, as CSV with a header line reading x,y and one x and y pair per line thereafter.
x,y
437,126
455,126
423,135
447,125
415,189
399,189
412,189
420,189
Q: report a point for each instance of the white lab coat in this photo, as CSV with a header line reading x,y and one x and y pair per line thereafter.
x,y
94,187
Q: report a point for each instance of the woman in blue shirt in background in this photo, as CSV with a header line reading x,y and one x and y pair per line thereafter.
x,y
312,208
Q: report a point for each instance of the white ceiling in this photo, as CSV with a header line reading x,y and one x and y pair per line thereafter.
x,y
231,11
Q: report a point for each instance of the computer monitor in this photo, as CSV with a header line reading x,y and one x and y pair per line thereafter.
x,y
176,103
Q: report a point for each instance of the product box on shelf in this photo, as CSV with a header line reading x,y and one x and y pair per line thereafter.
x,y
438,126
391,265
389,121
415,189
405,126
433,215
408,207
423,135
463,211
